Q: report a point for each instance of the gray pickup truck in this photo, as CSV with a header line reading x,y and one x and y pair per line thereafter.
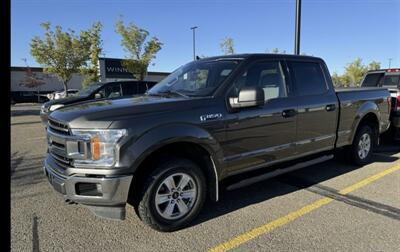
x,y
168,150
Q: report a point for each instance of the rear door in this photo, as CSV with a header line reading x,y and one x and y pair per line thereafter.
x,y
317,111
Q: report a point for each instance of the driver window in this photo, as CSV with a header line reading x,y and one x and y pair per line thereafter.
x,y
267,75
196,79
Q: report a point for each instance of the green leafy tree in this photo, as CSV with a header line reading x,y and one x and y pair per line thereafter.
x,y
140,52
93,41
374,65
355,71
227,46
61,53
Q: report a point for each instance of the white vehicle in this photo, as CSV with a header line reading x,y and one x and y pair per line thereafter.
x,y
61,94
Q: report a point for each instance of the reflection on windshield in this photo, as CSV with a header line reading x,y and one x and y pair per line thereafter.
x,y
198,78
88,90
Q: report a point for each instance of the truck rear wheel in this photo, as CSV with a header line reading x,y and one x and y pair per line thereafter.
x,y
361,150
173,195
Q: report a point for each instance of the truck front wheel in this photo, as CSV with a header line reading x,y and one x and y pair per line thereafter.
x,y
173,195
363,145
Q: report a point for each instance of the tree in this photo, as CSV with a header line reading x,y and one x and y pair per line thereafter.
x,y
93,41
31,80
140,52
355,71
374,65
226,46
61,53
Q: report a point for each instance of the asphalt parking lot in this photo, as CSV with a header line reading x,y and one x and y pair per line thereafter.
x,y
332,206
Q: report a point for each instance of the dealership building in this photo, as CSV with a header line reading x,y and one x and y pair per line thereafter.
x,y
110,70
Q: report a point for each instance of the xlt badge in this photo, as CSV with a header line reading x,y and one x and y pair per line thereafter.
x,y
210,117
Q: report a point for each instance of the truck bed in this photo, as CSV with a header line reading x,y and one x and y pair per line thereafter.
x,y
352,102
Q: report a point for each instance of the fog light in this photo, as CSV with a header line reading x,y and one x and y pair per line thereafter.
x,y
88,189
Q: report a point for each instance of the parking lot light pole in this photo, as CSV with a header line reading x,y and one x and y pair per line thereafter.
x,y
194,41
297,28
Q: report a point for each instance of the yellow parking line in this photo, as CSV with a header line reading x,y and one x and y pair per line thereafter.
x,y
243,238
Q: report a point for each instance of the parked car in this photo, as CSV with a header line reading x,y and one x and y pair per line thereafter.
x,y
61,94
28,97
95,91
389,78
168,150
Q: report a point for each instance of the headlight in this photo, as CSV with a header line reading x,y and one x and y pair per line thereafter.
x,y
101,150
56,106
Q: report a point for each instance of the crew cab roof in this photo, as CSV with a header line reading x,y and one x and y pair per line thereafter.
x,y
256,56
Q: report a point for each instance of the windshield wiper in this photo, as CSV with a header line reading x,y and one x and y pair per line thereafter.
x,y
169,92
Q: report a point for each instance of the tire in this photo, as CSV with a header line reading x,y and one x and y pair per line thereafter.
x,y
159,216
362,148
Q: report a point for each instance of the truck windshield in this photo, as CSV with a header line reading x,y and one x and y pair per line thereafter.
x,y
197,78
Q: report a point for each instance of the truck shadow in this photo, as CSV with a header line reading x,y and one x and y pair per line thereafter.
x,y
26,169
27,112
233,200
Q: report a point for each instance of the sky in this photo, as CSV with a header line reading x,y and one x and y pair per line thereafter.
x,y
336,30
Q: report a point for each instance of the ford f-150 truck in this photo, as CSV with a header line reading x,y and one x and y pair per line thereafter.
x,y
168,150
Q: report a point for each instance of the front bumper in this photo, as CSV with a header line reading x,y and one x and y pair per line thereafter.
x,y
111,192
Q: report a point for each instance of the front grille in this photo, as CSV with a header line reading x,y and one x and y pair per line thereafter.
x,y
58,127
57,134
61,161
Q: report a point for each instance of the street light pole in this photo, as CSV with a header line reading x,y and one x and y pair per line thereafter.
x,y
390,61
297,28
194,41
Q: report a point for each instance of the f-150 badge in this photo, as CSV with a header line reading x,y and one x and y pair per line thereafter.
x,y
210,117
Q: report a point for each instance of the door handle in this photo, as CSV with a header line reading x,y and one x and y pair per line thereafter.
x,y
289,113
330,107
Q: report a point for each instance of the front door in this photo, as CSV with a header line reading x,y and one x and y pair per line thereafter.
x,y
261,135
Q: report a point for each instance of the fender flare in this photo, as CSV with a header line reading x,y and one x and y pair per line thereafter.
x,y
363,110
143,146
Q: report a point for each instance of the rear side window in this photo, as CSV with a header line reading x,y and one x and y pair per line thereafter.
x,y
308,78
372,79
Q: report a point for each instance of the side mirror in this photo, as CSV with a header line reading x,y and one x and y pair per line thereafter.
x,y
248,97
97,96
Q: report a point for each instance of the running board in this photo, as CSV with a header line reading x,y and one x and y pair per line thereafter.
x,y
278,172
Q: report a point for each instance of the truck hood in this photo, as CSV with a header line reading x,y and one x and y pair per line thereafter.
x,y
64,101
101,114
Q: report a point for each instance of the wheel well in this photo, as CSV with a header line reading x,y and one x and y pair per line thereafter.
x,y
191,151
372,120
